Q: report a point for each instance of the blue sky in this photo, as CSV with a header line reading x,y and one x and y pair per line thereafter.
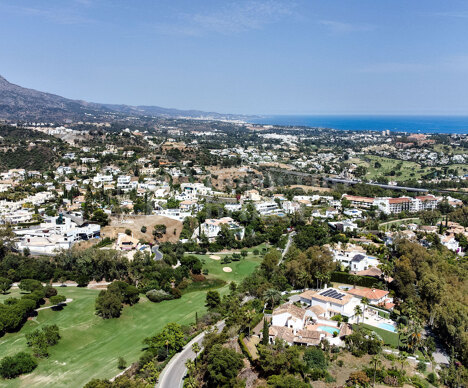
x,y
244,56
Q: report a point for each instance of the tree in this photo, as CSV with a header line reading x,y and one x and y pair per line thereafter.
x,y
272,296
37,341
121,363
223,365
249,316
212,300
5,285
159,230
310,235
13,366
52,334
196,349
314,358
357,311
375,361
265,332
171,338
30,285
100,217
108,305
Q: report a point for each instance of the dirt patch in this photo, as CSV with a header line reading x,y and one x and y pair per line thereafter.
x,y
215,257
135,223
312,188
227,269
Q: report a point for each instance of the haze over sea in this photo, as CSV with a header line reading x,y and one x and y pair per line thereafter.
x,y
413,124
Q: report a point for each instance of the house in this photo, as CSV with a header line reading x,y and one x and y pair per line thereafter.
x,y
126,242
212,226
332,301
374,295
267,208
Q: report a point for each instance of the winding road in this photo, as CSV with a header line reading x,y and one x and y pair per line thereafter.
x,y
173,374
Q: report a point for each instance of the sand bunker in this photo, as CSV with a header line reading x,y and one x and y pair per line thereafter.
x,y
227,269
214,257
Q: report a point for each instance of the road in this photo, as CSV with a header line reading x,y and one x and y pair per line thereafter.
x,y
286,248
173,374
157,255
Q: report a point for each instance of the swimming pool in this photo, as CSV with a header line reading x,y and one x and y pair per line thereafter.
x,y
387,326
329,329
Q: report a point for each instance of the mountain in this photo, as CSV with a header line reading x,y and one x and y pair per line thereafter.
x,y
18,103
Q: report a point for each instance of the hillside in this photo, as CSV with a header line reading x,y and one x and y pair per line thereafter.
x,y
19,103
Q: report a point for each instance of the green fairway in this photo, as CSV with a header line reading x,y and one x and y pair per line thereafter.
x,y
90,346
240,269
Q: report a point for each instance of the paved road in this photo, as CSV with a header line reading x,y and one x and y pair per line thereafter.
x,y
49,307
173,374
157,255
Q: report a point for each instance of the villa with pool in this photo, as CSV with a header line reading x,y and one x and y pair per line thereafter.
x,y
312,322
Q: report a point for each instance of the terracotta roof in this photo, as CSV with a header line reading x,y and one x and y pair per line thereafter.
x,y
398,200
295,311
359,199
369,293
317,310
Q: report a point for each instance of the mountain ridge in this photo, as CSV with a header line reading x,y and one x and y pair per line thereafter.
x,y
20,103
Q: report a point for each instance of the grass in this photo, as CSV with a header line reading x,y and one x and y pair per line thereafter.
x,y
388,337
90,346
240,269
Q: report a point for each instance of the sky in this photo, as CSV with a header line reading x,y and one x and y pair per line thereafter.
x,y
244,56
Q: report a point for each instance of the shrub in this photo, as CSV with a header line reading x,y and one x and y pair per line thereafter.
x,y
49,291
358,378
143,229
121,363
57,299
340,363
432,378
421,366
128,232
158,295
20,363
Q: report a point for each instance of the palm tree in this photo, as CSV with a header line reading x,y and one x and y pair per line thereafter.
x,y
196,349
402,360
365,302
402,331
358,311
273,296
375,362
414,337
249,316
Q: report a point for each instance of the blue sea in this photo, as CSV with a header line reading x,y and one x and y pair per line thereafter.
x,y
413,124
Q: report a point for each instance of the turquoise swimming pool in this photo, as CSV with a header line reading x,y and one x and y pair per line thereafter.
x,y
387,326
329,329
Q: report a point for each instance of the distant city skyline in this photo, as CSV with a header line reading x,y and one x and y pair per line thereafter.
x,y
268,57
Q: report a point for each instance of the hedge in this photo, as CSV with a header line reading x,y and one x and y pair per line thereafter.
x,y
347,278
244,347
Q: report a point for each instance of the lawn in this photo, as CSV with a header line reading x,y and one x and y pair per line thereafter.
x,y
388,337
240,269
90,346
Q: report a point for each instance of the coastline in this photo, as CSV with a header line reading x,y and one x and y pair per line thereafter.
x,y
401,123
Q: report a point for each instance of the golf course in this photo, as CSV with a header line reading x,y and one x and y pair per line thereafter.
x,y
90,346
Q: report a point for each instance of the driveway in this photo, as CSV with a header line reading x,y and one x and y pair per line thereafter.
x,y
157,255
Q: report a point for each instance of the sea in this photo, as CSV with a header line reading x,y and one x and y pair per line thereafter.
x,y
410,124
